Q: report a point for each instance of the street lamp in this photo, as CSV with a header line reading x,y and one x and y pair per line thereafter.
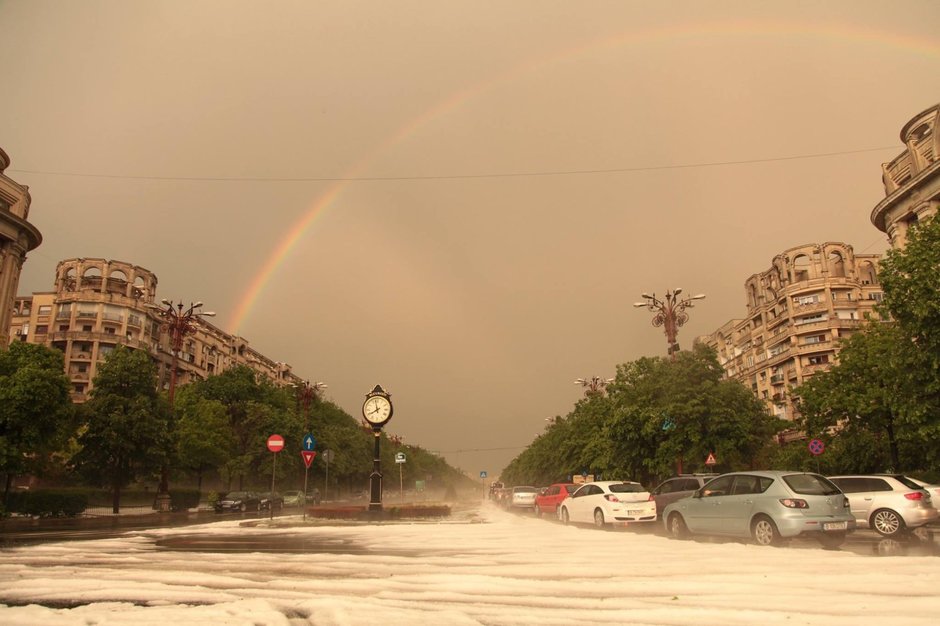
x,y
670,314
306,393
594,384
177,323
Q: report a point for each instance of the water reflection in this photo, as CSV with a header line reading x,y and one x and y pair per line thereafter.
x,y
918,543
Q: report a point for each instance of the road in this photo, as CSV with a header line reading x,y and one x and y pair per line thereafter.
x,y
482,566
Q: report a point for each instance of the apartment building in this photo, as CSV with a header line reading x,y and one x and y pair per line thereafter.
x,y
17,237
98,304
797,311
912,179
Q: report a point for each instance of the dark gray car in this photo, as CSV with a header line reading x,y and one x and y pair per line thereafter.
x,y
676,488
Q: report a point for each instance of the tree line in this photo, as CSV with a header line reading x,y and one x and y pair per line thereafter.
x,y
127,431
876,410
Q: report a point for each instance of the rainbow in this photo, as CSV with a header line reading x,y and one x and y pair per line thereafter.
x,y
689,31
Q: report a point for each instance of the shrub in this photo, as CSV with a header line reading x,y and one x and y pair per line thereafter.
x,y
184,499
49,503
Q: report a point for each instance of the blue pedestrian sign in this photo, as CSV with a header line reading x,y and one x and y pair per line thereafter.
x,y
309,442
483,474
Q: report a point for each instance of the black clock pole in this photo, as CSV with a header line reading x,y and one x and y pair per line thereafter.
x,y
375,479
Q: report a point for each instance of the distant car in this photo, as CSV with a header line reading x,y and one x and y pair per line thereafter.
x,y
887,503
523,497
549,500
933,490
271,501
238,501
678,487
314,496
767,506
294,498
607,502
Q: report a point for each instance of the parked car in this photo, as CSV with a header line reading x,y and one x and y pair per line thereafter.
x,y
678,487
550,498
766,506
238,501
294,498
523,497
314,496
933,490
609,501
887,503
271,500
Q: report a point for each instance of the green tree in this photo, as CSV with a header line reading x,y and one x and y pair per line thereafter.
x,y
204,439
35,409
127,432
910,277
874,408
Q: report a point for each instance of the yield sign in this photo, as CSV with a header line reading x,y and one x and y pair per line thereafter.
x,y
711,459
308,456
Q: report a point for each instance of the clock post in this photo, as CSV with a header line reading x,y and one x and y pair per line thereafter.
x,y
377,411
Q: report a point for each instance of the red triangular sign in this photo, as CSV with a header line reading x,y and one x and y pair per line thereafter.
x,y
308,456
711,459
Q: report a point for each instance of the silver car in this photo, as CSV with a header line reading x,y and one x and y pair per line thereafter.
x,y
523,497
766,506
887,503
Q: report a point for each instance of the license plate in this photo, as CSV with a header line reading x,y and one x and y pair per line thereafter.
x,y
634,512
835,525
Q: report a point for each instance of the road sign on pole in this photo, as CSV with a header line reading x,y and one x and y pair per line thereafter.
x,y
275,443
483,474
711,459
309,442
308,456
816,447
399,457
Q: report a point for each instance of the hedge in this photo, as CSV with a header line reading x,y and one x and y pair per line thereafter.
x,y
48,503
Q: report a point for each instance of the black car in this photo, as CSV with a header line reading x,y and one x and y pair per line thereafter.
x,y
271,500
238,501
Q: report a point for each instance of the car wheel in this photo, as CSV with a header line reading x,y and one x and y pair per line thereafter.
x,y
677,527
765,532
598,518
564,516
537,510
831,541
887,523
241,508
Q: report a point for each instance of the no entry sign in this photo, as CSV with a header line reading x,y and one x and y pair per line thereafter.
x,y
275,443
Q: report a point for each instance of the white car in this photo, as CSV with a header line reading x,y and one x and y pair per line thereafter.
x,y
608,502
933,490
887,503
523,497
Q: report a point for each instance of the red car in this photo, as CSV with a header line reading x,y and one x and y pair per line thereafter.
x,y
550,498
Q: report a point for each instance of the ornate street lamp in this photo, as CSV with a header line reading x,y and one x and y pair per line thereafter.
x,y
177,323
307,392
594,384
670,314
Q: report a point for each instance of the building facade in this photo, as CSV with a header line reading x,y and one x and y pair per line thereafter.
x,y
17,237
812,296
98,304
912,179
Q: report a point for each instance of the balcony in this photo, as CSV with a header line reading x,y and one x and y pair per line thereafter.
x,y
86,314
114,317
821,346
810,307
776,379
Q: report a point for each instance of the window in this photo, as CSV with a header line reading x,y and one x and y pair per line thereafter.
x,y
719,487
821,359
809,319
42,329
79,388
45,309
86,328
109,330
63,328
806,300
876,296
811,485
814,339
745,485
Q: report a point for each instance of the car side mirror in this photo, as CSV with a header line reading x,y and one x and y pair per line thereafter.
x,y
697,494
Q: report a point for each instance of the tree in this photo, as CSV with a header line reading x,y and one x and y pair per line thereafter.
x,y
910,277
127,433
874,406
35,409
204,440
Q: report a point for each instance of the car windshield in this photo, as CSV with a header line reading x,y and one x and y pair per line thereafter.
x,y
810,485
626,488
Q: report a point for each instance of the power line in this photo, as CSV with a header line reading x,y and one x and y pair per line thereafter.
x,y
326,179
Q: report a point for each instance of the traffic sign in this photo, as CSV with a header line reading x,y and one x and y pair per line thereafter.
x,y
308,457
309,442
711,459
483,474
275,443
328,456
816,447
399,457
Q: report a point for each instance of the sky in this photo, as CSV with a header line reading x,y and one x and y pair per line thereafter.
x,y
503,569
460,201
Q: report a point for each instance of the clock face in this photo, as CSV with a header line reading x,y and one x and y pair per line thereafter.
x,y
377,410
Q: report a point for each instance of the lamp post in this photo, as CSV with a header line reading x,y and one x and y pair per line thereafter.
x,y
670,314
177,323
306,393
594,384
